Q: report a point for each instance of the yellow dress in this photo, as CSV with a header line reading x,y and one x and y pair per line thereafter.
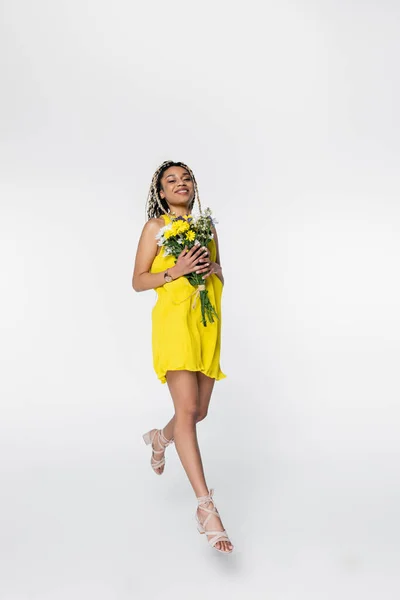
x,y
179,338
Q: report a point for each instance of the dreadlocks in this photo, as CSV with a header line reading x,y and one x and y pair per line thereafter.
x,y
155,205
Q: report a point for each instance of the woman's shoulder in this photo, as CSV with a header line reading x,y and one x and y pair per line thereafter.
x,y
154,224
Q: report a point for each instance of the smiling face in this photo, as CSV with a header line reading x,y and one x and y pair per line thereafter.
x,y
177,187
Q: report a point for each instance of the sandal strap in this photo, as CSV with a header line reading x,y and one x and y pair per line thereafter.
x,y
212,511
208,517
207,498
163,440
219,536
157,463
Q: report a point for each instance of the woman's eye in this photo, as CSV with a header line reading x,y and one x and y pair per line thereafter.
x,y
173,180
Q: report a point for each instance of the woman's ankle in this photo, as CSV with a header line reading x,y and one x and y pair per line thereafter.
x,y
203,495
167,434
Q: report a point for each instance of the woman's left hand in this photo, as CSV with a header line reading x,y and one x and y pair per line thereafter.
x,y
213,268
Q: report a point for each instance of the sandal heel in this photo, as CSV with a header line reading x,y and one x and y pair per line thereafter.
x,y
147,438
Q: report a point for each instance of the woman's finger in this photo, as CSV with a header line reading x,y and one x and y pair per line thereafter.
x,y
208,267
205,257
202,257
194,249
201,263
210,270
202,269
198,258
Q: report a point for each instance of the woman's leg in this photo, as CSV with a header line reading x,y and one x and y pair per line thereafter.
x,y
168,430
184,388
184,391
205,388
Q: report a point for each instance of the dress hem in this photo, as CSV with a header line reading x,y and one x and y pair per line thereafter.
x,y
221,375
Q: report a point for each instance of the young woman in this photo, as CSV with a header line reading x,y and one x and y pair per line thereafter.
x,y
186,353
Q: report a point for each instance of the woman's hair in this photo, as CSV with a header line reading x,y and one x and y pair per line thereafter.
x,y
155,205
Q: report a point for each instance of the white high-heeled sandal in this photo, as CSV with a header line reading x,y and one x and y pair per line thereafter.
x,y
219,536
162,440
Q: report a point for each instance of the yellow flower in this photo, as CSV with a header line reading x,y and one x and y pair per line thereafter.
x,y
190,235
184,227
172,230
179,227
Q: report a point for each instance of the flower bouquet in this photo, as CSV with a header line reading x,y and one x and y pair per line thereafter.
x,y
190,231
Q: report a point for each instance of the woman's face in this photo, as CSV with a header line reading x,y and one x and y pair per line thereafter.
x,y
177,186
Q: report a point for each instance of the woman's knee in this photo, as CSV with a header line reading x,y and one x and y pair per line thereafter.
x,y
201,415
186,416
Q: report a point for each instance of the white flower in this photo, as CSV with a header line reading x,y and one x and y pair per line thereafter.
x,y
162,230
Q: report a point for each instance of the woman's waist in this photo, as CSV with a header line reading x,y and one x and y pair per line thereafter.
x,y
181,288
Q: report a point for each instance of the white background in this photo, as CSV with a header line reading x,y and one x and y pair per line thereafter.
x,y
288,115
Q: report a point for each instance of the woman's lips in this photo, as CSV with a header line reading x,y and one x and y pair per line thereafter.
x,y
182,192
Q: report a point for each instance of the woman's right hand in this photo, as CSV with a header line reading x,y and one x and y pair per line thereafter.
x,y
188,260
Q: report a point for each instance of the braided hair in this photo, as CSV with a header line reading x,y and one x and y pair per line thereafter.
x,y
155,205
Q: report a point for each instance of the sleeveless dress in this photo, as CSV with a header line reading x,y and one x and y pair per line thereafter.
x,y
179,339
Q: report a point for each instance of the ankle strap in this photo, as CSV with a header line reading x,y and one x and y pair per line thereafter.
x,y
163,439
204,499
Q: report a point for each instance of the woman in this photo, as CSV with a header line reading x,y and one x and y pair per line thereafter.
x,y
185,352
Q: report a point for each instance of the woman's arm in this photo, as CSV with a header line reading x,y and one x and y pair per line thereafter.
x,y
142,279
216,266
187,262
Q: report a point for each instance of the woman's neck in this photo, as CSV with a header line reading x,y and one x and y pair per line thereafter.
x,y
179,211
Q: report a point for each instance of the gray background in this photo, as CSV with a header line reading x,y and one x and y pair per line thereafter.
x,y
288,115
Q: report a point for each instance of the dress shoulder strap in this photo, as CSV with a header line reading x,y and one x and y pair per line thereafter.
x,y
165,217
